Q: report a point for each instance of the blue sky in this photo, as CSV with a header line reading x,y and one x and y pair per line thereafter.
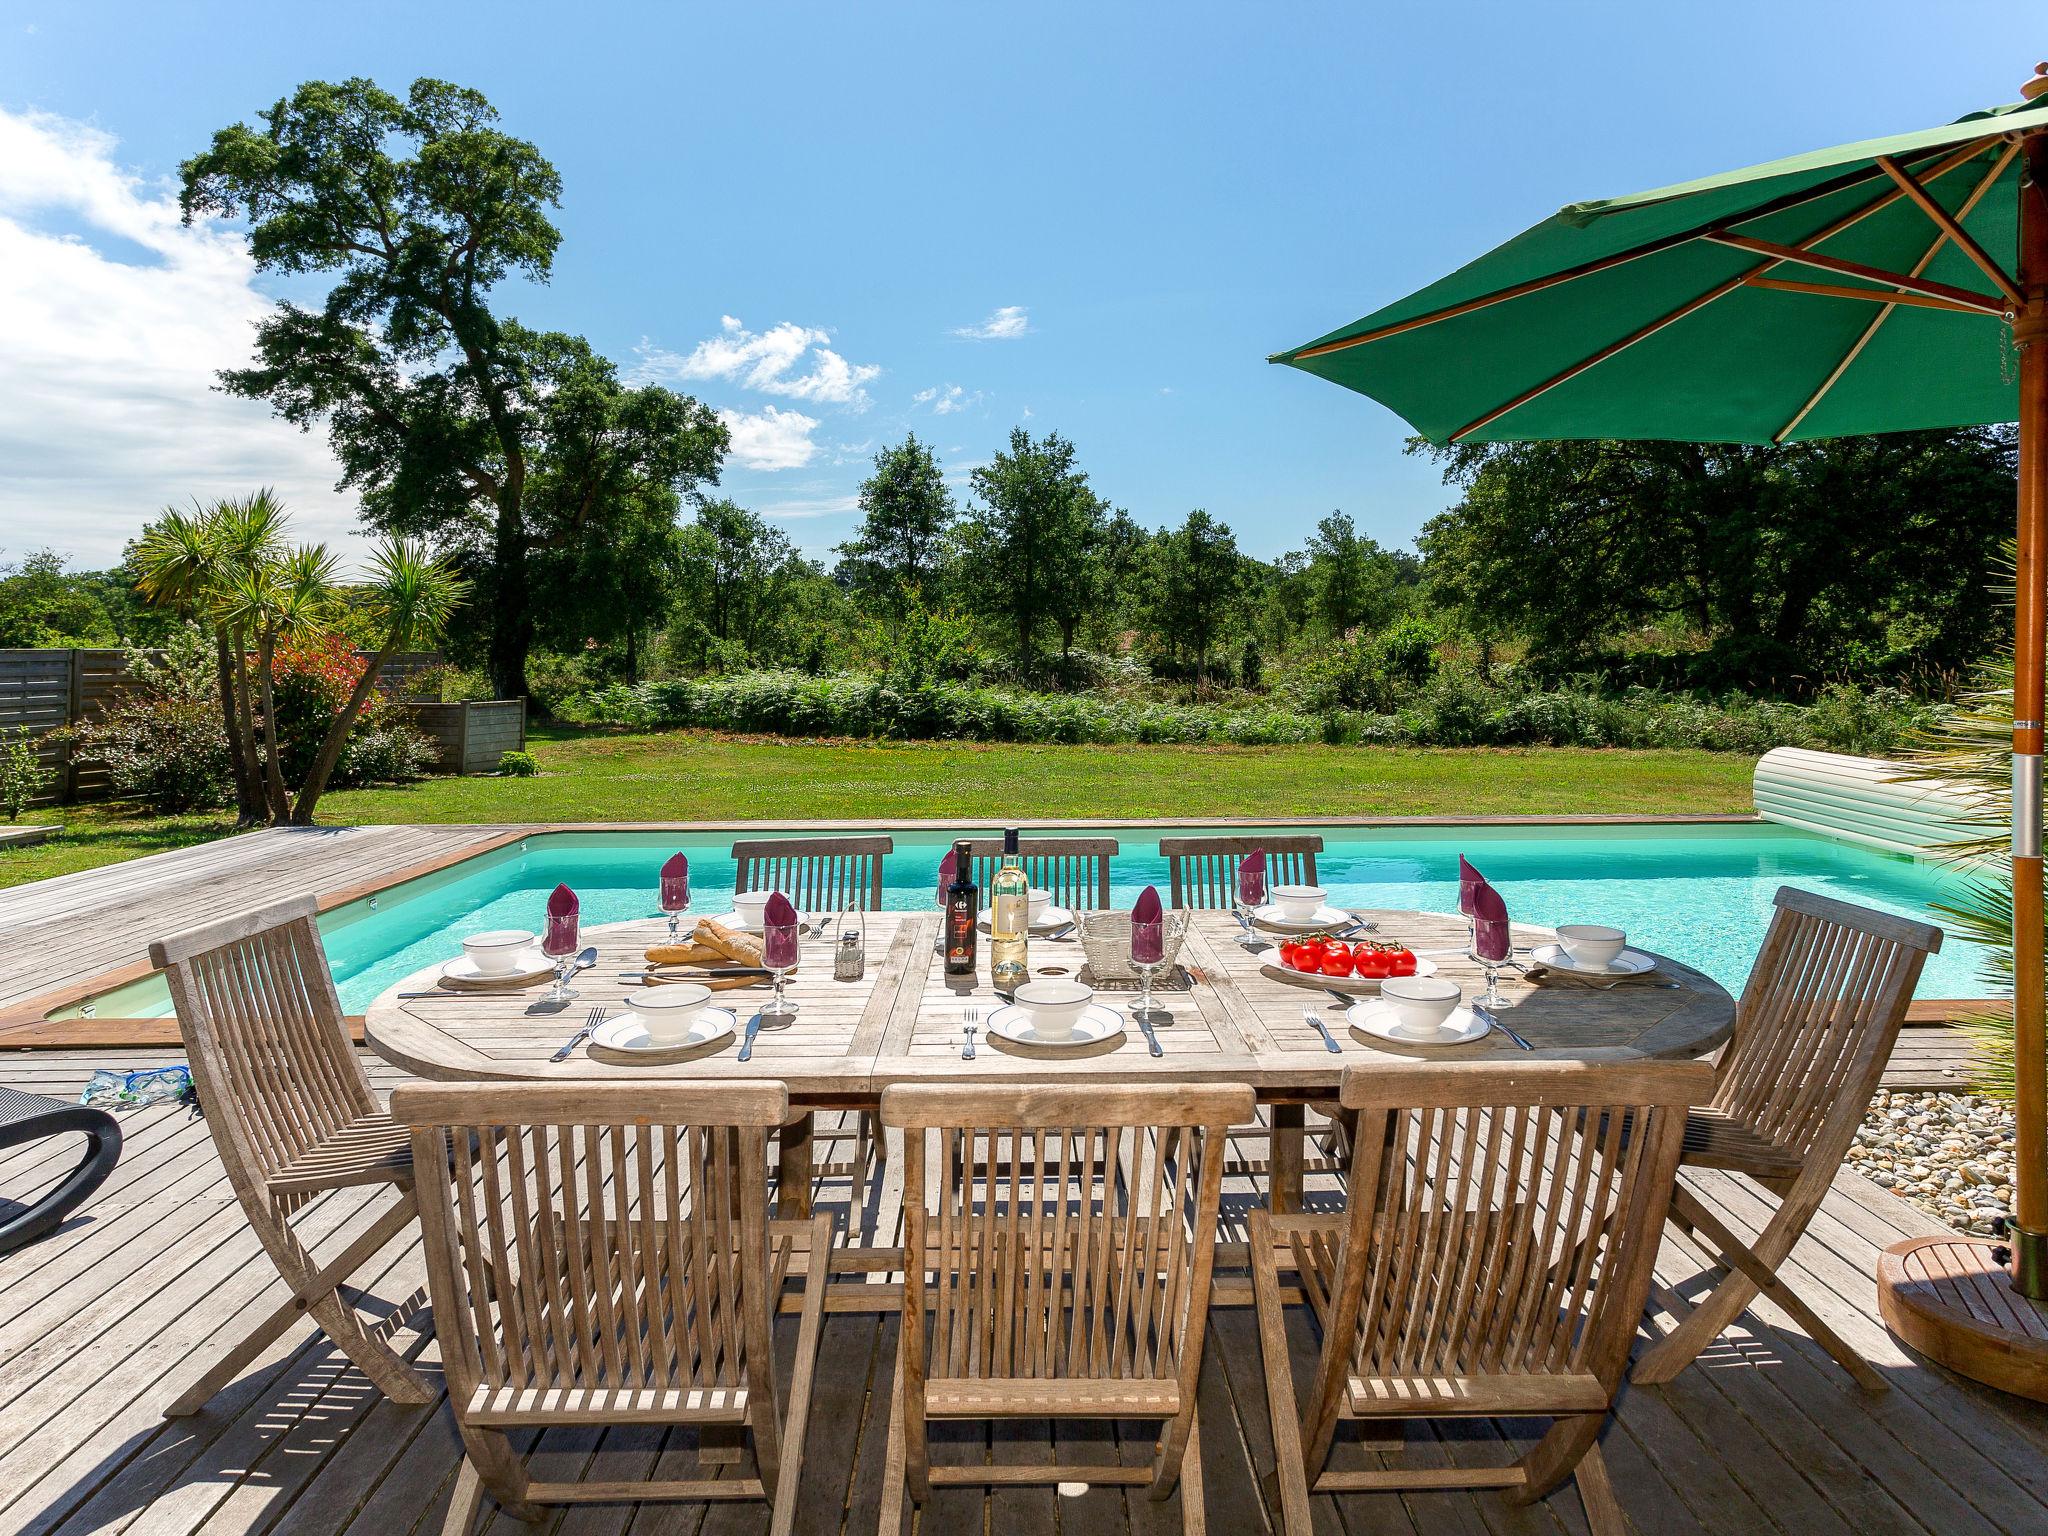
x,y
841,222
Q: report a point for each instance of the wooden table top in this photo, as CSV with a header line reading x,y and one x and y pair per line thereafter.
x,y
902,1021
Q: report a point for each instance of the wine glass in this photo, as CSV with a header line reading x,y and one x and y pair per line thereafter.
x,y
1148,950
779,954
1492,943
1469,881
558,943
675,892
1251,895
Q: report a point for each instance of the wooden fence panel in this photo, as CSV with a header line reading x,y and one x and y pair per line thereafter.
x,y
35,692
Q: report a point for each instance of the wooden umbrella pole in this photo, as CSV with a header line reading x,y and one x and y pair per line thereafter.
x,y
2030,986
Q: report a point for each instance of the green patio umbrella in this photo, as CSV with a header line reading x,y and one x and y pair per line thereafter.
x,y
1892,284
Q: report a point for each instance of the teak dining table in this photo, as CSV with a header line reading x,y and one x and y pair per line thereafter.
x,y
1229,1021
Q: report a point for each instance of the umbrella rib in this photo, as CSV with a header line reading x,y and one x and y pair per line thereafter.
x,y
1699,301
1885,296
1953,227
1968,298
1941,168
1976,196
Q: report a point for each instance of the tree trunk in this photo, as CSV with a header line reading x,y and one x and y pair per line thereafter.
x,y
632,652
511,608
273,770
238,764
243,728
314,785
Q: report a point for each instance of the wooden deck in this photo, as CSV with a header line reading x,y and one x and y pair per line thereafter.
x,y
99,1326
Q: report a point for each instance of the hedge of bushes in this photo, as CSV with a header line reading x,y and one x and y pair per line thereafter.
x,y
1455,708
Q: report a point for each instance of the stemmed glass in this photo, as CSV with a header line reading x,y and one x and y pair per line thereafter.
x,y
1492,944
1148,951
558,943
675,892
779,948
1251,895
1469,881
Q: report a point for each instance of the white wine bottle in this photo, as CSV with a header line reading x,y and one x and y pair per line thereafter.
x,y
1009,920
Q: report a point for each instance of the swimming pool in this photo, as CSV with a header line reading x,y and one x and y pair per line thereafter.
x,y
1701,893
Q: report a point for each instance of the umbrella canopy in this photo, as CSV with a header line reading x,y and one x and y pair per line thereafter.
x,y
1897,283
1738,308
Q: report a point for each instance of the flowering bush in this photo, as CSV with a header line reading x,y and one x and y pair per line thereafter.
x,y
314,676
170,753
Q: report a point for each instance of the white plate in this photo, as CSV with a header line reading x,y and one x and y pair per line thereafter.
x,y
1325,917
1375,1017
627,1032
1630,962
1098,1022
525,963
1055,917
739,924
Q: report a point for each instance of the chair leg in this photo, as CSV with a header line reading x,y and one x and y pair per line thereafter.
x,y
500,1470
468,1502
1290,1465
782,1493
1194,1517
1596,1492
1560,1452
889,1518
385,1367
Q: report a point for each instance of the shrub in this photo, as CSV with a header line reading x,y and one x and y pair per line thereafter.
x,y
313,676
389,753
22,774
169,753
519,765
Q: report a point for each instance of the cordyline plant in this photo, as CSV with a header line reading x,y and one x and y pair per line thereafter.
x,y
229,567
1969,750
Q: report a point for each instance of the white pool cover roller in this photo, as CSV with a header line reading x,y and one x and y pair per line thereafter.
x,y
1863,800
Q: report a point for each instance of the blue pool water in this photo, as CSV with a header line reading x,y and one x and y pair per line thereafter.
x,y
1699,893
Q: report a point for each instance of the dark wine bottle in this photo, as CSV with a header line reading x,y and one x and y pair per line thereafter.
x,y
963,907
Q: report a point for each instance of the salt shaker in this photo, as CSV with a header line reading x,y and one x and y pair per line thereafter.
x,y
850,959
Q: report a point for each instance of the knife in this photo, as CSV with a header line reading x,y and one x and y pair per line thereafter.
x,y
1145,1028
753,1029
1480,1011
722,970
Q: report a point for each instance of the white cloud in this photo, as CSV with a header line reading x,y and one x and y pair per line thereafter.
x,y
944,402
1005,324
789,360
772,438
117,318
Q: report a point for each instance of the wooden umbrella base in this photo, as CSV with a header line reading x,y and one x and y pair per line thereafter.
x,y
1950,1299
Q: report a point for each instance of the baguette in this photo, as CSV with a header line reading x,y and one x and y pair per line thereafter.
x,y
685,954
739,947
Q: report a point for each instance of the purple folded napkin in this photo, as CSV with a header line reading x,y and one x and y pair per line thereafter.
x,y
563,908
1148,935
675,883
1251,878
778,933
1491,939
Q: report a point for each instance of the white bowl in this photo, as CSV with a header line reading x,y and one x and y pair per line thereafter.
x,y
672,1008
1591,944
751,907
1420,1003
496,953
1039,900
1054,1005
1298,903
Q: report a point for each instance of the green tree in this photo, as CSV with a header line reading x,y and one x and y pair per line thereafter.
x,y
1196,596
1122,553
747,594
446,416
907,512
1027,544
1786,562
42,604
1354,583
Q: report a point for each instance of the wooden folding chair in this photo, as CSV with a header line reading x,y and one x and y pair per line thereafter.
x,y
293,1116
601,1254
820,875
1813,1032
1069,1257
1202,871
1074,869
1493,1261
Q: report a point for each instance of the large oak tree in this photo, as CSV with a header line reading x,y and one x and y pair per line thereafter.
x,y
451,420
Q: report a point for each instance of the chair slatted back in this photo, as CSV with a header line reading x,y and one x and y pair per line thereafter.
x,y
1818,1019
1074,869
1072,1232
818,874
270,1052
1503,1220
1202,871
607,1238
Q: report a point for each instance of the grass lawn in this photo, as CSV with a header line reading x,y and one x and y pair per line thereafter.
x,y
696,777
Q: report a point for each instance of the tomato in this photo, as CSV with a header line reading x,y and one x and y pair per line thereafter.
x,y
1311,954
1291,957
1337,961
1403,963
1373,963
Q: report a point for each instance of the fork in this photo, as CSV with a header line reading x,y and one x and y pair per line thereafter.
x,y
589,1028
970,1022
1310,1016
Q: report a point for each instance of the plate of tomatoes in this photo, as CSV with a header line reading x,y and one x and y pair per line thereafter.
x,y
1357,967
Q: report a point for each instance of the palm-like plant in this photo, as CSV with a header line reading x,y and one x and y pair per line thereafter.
x,y
1969,749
